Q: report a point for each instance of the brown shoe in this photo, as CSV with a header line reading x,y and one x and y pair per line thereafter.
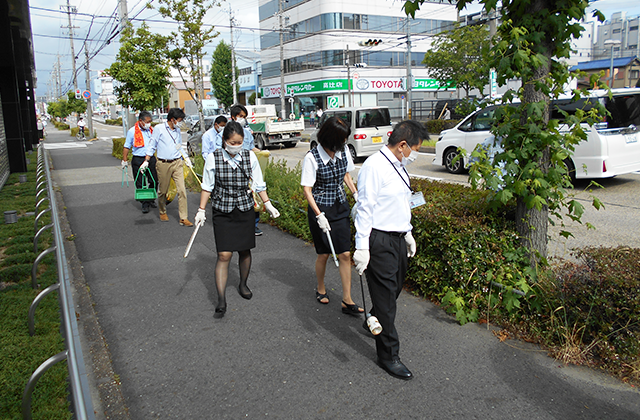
x,y
164,217
185,222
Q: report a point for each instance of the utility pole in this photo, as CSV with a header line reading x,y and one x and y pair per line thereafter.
x,y
233,59
70,10
346,60
409,76
88,80
122,13
283,110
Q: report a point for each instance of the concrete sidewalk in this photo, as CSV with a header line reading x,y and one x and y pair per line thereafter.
x,y
282,355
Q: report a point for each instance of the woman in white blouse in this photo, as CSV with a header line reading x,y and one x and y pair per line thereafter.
x,y
325,170
229,173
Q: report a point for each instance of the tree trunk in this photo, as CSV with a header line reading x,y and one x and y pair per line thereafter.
x,y
532,224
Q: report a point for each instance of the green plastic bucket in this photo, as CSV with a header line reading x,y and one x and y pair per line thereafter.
x,y
147,192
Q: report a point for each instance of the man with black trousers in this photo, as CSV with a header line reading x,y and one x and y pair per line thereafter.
x,y
137,141
383,234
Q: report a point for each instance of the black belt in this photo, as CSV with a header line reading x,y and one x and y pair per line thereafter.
x,y
397,234
167,160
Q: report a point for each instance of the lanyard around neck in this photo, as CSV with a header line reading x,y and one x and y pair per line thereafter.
x,y
169,130
398,172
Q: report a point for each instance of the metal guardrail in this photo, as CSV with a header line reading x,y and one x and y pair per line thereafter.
x,y
80,395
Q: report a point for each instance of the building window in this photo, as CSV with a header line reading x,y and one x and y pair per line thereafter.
x,y
616,31
634,74
633,28
633,47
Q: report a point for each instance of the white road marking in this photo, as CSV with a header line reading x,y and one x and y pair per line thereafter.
x,y
52,146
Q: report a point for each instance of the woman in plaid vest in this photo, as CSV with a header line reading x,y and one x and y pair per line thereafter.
x,y
324,170
229,175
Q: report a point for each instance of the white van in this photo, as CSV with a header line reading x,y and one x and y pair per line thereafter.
x,y
370,129
612,146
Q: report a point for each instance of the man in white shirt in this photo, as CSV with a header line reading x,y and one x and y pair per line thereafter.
x,y
383,234
212,138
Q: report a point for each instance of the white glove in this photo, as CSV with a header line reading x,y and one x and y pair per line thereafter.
x,y
323,223
272,210
144,166
188,162
361,258
411,244
124,164
200,217
355,196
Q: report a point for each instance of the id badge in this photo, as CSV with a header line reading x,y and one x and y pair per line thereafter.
x,y
417,200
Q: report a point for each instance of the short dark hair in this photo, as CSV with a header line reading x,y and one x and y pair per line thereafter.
x,y
175,113
231,128
236,109
408,130
143,115
333,134
220,119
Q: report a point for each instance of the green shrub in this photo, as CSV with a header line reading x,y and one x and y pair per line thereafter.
x,y
436,126
118,145
589,311
117,121
75,130
60,126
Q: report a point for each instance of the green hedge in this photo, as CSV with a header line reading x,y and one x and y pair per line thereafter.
x,y
436,126
60,126
117,121
118,145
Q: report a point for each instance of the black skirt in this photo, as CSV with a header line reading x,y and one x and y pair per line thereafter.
x,y
234,231
338,217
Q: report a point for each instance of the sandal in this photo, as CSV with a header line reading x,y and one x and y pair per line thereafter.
x,y
354,309
320,296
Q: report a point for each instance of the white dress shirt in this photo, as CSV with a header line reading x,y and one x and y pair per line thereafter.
x,y
310,166
209,175
166,142
383,197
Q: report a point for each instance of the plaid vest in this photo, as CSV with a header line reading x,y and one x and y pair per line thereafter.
x,y
329,178
232,188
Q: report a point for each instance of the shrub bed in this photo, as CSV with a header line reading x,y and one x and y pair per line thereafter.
x,y
436,126
22,354
117,121
60,126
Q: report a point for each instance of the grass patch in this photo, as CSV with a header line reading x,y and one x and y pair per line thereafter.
x,y
22,354
429,143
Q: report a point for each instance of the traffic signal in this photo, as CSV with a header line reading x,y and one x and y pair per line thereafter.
x,y
78,94
360,65
369,42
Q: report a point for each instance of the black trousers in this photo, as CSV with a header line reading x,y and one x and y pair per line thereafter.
x,y
385,276
136,161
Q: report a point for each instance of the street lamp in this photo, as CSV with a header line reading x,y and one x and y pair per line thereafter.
x,y
612,43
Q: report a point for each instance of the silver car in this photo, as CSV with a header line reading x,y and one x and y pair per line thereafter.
x,y
370,129
194,139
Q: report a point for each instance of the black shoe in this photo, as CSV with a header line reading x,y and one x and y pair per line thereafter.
x,y
153,204
220,311
145,207
245,292
258,232
395,368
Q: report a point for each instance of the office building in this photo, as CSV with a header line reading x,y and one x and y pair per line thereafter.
x,y
320,35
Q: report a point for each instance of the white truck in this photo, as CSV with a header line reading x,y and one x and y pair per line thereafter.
x,y
267,130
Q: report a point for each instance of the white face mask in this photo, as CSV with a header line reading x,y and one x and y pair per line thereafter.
x,y
218,129
233,150
406,160
180,124
241,121
146,126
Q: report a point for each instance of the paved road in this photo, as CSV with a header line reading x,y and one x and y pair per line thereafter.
x,y
282,355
